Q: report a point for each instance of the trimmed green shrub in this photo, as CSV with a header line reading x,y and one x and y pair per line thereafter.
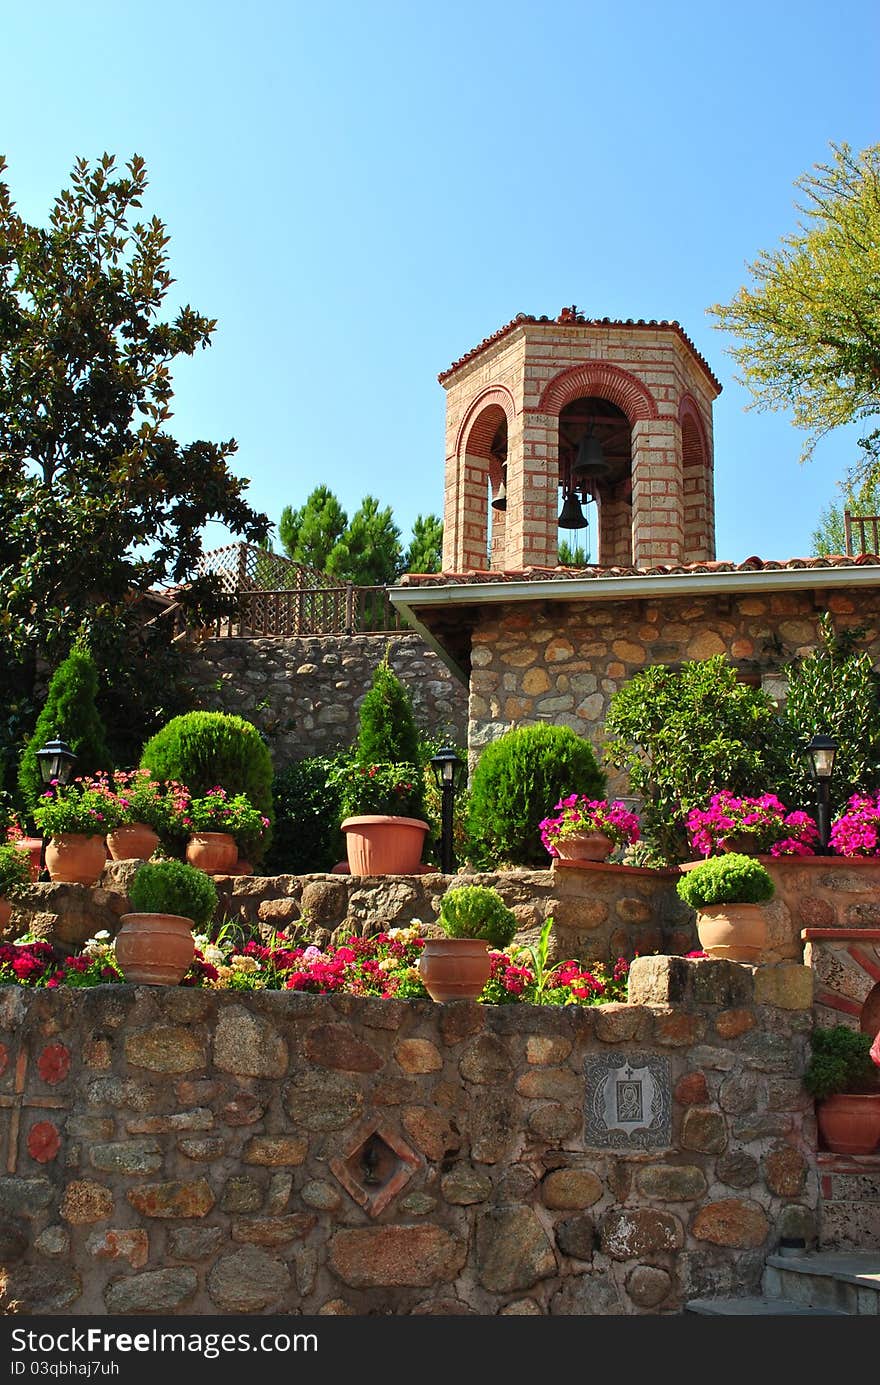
x,y
477,911
203,749
517,781
15,873
173,887
728,879
70,714
308,810
387,729
841,1062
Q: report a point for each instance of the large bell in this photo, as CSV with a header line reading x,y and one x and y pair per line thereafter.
x,y
499,499
571,516
590,460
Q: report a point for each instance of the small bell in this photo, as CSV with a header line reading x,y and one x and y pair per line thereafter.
x,y
499,500
571,516
590,460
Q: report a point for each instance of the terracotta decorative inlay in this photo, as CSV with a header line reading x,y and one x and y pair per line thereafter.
x,y
53,1063
377,1166
43,1135
4,1059
43,1141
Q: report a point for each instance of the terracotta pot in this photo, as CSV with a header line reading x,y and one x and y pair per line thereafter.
x,y
742,842
454,968
135,842
5,913
155,949
34,847
849,1123
584,846
735,931
378,845
212,852
75,859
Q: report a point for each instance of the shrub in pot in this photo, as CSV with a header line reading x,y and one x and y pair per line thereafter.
x,y
155,944
473,918
75,817
15,876
844,1079
727,893
382,808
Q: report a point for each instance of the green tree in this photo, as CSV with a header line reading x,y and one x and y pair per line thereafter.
x,y
98,501
69,713
369,552
809,328
386,724
310,533
425,551
830,534
572,556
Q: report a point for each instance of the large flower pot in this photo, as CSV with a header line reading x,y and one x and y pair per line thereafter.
x,y
75,859
737,932
378,845
5,913
212,852
584,846
454,968
134,842
849,1123
34,848
155,949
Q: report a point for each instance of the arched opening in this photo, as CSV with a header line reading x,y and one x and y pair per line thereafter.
x,y
595,480
696,485
482,496
497,495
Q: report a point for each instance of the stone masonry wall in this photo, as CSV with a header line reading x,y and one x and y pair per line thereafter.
x,y
304,693
197,1152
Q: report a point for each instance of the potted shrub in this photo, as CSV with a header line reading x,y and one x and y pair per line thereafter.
x,y
218,823
169,899
144,814
473,918
381,817
75,817
15,876
728,893
751,826
843,1077
588,829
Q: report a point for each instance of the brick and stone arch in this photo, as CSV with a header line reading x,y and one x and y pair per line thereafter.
x,y
697,481
846,967
481,456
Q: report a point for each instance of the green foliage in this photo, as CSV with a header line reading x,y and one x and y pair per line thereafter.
x,y
388,789
425,551
728,879
172,887
369,552
69,713
682,735
98,501
308,810
386,724
204,749
830,535
810,328
571,555
15,874
310,533
477,911
841,1062
517,780
835,690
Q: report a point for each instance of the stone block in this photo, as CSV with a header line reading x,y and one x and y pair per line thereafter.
x,y
169,1048
731,1222
512,1250
172,1199
248,1281
634,1233
392,1256
248,1045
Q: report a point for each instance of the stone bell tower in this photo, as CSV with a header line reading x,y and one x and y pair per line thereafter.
x,y
545,416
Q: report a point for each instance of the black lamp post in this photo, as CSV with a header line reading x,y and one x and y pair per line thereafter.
x,y
56,761
821,752
447,769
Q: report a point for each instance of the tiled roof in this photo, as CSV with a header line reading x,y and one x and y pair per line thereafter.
x,y
571,317
578,574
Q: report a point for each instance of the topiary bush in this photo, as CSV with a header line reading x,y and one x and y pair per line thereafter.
x,y
70,713
173,887
517,780
387,729
477,911
730,879
841,1062
308,810
203,749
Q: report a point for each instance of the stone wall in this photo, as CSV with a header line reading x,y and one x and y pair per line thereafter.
x,y
201,1152
304,693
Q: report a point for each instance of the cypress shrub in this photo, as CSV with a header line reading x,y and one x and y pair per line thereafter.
x,y
202,749
70,713
387,729
307,816
516,783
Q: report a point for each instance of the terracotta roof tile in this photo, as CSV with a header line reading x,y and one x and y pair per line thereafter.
x,y
562,574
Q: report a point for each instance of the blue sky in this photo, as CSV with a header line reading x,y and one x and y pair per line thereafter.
x,y
359,193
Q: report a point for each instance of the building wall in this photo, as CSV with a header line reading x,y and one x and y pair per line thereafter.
x,y
198,1152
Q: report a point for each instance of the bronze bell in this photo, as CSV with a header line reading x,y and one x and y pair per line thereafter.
x,y
499,500
571,516
590,460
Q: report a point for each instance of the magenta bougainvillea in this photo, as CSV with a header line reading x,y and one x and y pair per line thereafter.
x,y
578,813
857,831
766,821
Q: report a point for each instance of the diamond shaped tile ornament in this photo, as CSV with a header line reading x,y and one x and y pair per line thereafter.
x,y
377,1166
628,1103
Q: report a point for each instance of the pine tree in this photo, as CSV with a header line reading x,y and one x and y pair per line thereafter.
x,y
387,725
70,713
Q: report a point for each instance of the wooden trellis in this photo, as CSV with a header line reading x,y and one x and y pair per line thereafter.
x,y
862,533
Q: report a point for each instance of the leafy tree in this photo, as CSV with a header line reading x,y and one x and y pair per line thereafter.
x,y
809,329
69,713
310,533
682,735
98,501
425,551
386,725
571,556
830,534
369,552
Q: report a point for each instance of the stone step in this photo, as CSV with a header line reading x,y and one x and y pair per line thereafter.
x,y
837,1281
757,1308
